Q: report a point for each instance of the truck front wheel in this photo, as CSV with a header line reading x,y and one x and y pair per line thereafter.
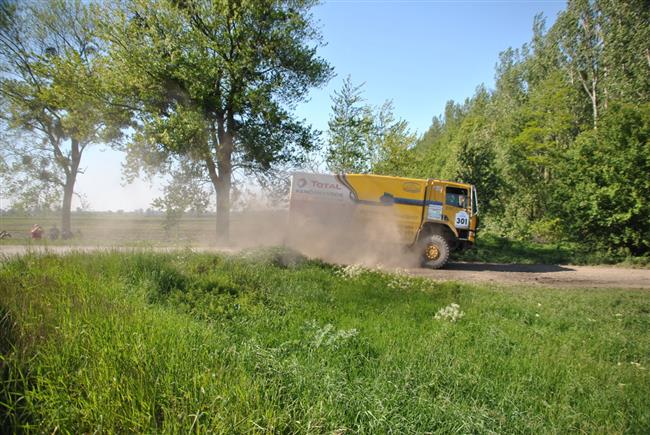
x,y
435,251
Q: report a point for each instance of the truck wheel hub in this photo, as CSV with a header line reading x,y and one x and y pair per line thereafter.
x,y
432,252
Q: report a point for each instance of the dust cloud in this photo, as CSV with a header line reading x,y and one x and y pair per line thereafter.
x,y
335,233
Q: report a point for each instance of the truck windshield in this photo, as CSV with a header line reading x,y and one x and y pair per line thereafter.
x,y
456,197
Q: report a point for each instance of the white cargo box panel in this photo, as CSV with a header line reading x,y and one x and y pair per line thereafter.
x,y
318,187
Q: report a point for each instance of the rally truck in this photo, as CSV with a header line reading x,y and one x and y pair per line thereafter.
x,y
432,217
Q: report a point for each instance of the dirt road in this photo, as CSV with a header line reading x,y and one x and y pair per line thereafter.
x,y
541,274
511,274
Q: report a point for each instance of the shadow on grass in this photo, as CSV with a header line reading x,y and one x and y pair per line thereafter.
x,y
492,249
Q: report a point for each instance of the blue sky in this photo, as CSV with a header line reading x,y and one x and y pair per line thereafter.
x,y
419,54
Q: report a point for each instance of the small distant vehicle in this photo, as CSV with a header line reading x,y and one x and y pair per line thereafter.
x,y
433,217
36,232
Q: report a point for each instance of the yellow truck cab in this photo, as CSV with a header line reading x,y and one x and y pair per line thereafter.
x,y
434,217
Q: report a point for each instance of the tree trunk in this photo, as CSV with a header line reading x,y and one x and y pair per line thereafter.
x,y
222,188
594,103
68,189
221,177
591,93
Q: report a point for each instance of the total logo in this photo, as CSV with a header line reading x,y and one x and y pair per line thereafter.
x,y
331,186
302,183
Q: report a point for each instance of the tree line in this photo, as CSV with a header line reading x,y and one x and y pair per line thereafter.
x,y
558,150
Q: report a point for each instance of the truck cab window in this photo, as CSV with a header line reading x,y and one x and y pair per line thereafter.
x,y
457,197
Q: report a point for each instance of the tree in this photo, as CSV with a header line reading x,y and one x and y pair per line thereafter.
x,y
393,141
363,138
475,155
185,191
580,37
214,81
51,63
350,128
604,48
626,52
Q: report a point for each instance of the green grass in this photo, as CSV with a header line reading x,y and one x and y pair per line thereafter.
x,y
493,249
271,342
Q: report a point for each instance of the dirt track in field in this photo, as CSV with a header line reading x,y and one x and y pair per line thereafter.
x,y
510,274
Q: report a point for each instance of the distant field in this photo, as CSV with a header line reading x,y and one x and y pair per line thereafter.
x,y
134,229
268,341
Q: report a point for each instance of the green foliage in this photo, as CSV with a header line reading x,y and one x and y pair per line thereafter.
x,y
184,192
625,50
186,342
433,155
392,140
605,184
365,139
350,129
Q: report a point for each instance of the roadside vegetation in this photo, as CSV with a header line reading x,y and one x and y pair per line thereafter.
x,y
491,248
270,341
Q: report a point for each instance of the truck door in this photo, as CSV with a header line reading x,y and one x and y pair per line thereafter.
x,y
457,209
434,199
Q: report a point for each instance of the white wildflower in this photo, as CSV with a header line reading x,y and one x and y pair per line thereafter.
x,y
350,271
400,282
342,334
322,334
451,312
328,335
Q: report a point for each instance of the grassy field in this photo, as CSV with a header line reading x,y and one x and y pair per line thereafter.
x,y
268,341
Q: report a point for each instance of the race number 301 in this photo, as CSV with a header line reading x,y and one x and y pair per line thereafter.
x,y
462,219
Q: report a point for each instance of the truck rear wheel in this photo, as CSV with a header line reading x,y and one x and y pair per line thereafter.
x,y
435,252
